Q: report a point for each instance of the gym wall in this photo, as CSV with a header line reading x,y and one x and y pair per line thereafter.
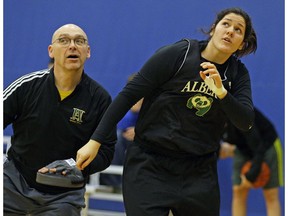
x,y
124,34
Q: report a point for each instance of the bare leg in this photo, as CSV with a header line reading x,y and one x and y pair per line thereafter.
x,y
239,201
272,202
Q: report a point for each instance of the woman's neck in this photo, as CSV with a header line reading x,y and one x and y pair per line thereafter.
x,y
212,54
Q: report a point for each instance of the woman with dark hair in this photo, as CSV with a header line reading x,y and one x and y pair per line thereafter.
x,y
190,89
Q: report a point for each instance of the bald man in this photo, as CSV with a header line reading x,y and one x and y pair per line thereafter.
x,y
53,113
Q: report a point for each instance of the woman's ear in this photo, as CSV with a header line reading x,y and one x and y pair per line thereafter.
x,y
212,29
241,46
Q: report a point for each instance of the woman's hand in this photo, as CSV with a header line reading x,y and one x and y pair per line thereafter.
x,y
245,182
212,78
87,153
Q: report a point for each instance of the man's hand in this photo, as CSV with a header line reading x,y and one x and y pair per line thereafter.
x,y
44,170
87,153
212,79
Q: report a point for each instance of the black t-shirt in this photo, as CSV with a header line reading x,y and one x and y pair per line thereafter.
x,y
180,114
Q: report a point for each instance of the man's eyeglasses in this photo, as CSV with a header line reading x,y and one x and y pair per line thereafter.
x,y
66,41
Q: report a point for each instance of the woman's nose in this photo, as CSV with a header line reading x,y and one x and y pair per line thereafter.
x,y
230,31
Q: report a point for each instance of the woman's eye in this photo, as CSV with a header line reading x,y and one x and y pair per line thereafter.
x,y
225,24
238,30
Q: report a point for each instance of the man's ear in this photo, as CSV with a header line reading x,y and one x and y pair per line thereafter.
x,y
88,52
50,51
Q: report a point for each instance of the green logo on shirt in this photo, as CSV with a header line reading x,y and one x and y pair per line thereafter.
x,y
201,103
77,116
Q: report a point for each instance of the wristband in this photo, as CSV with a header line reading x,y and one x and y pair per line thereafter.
x,y
211,85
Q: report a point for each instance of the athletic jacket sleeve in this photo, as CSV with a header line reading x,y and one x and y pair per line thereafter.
x,y
157,70
238,104
11,101
107,149
8,117
260,138
255,142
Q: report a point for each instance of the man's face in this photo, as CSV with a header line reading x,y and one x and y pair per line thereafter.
x,y
69,48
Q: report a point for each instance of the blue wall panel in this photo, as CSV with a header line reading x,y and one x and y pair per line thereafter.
x,y
123,34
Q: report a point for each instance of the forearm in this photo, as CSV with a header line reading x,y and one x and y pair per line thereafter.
x,y
255,169
101,161
242,116
110,119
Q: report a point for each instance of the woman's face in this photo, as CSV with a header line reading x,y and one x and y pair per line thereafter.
x,y
228,35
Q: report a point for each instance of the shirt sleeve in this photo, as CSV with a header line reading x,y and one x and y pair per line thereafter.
x,y
156,71
260,138
237,104
11,101
107,149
